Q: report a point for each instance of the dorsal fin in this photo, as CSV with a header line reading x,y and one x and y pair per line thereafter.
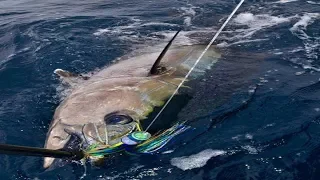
x,y
155,68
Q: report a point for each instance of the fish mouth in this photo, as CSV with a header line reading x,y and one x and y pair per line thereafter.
x,y
99,135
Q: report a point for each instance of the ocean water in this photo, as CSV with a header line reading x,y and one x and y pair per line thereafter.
x,y
254,115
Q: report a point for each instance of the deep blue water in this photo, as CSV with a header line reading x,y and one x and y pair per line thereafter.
x,y
255,114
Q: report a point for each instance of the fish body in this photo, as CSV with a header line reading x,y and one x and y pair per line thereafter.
x,y
112,102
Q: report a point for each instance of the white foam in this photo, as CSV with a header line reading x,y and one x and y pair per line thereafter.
x,y
262,20
188,13
249,25
308,67
115,30
167,152
251,149
311,44
244,18
158,23
237,137
225,44
278,53
181,39
127,29
285,1
148,173
249,136
129,33
312,2
305,20
299,73
189,10
101,31
269,125
195,160
187,21
125,174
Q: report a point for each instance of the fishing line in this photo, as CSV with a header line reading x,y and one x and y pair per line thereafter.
x,y
195,64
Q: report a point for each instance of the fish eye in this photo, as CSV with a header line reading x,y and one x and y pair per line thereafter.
x,y
115,119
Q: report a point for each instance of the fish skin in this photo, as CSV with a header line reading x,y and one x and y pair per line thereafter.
x,y
124,88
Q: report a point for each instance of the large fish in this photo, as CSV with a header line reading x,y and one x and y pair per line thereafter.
x,y
111,103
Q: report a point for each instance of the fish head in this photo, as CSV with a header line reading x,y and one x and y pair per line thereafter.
x,y
98,115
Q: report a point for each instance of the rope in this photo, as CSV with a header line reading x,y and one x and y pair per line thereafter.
x,y
195,64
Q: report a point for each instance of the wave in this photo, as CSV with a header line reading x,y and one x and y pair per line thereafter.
x,y
285,1
188,13
311,42
251,24
196,160
312,2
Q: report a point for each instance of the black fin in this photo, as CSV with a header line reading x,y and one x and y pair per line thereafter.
x,y
155,68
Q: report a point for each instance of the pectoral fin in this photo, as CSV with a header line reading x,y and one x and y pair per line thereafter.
x,y
69,77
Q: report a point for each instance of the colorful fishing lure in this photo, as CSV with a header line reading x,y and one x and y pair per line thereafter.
x,y
139,142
